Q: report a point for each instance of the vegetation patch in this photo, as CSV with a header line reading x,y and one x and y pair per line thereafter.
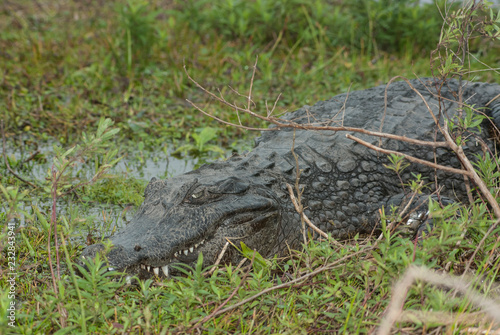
x,y
117,190
107,80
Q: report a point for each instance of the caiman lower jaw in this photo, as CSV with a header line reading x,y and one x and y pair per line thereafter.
x,y
183,256
189,255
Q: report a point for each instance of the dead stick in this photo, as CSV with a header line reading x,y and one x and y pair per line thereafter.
x,y
408,157
281,123
207,318
472,173
413,273
469,262
330,266
304,216
7,162
218,259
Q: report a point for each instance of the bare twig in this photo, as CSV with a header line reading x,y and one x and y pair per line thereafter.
x,y
473,174
243,280
32,156
326,267
413,273
7,161
240,264
476,330
269,113
223,251
411,199
341,110
490,230
408,157
299,208
281,123
443,318
421,97
402,212
251,83
491,101
304,216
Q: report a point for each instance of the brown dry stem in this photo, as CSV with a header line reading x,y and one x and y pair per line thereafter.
x,y
326,267
408,157
7,161
449,142
413,273
305,218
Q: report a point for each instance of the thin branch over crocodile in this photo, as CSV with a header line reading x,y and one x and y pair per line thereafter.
x,y
343,183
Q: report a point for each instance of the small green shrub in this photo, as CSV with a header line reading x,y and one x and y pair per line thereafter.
x,y
136,37
370,25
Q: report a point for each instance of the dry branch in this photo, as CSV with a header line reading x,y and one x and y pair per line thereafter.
x,y
281,123
7,161
408,157
394,310
449,142
326,267
304,216
443,318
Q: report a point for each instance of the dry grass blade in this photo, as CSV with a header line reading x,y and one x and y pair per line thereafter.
x,y
444,318
394,310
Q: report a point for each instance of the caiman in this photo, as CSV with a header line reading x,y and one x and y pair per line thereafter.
x,y
344,184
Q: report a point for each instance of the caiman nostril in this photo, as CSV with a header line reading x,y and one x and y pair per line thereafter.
x,y
137,248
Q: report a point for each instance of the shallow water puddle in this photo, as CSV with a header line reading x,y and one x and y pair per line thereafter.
x,y
93,219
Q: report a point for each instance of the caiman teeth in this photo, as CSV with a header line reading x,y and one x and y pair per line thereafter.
x,y
188,250
165,270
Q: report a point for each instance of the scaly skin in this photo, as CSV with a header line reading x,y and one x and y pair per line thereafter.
x,y
244,199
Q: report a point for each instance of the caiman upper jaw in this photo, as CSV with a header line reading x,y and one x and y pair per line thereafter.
x,y
154,255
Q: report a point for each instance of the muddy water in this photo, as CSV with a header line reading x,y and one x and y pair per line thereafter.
x,y
96,219
135,164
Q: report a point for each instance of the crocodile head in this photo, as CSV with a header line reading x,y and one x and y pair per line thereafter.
x,y
198,212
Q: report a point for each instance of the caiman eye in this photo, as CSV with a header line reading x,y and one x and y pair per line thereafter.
x,y
197,195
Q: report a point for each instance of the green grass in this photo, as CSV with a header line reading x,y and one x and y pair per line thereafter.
x,y
348,296
59,80
66,64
